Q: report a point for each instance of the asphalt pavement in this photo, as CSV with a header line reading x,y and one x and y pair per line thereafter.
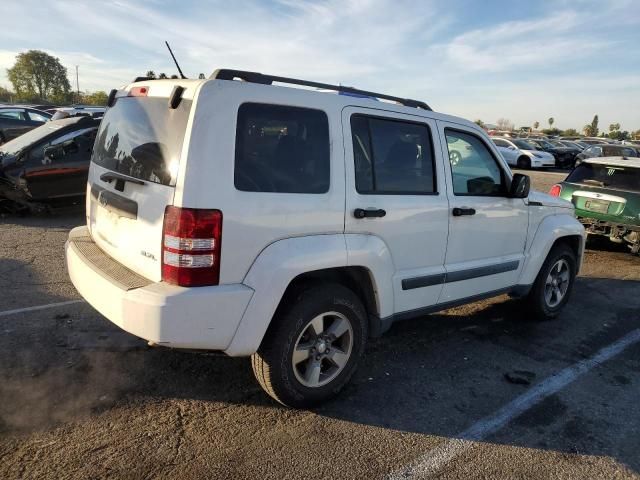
x,y
473,392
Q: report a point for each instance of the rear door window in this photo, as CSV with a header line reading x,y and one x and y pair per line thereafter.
x,y
281,149
392,156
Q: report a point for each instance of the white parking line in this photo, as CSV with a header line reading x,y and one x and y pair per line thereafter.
x,y
432,461
38,307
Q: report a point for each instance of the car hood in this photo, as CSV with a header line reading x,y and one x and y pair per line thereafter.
x,y
548,200
541,153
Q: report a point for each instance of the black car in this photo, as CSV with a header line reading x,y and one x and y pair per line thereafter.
x,y
565,156
16,120
48,163
608,150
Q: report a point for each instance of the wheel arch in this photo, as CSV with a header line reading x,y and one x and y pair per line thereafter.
x,y
286,266
553,230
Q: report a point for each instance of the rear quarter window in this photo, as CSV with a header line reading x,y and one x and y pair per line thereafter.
x,y
281,149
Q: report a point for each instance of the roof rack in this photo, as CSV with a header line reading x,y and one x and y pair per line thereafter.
x,y
255,77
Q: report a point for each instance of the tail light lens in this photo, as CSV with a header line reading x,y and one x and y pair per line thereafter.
x,y
191,246
555,190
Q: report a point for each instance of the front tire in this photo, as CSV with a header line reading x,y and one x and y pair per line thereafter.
x,y
312,347
553,285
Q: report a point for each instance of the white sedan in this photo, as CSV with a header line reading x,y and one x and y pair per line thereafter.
x,y
523,154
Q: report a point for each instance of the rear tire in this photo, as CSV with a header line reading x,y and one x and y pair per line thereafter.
x,y
312,346
524,163
553,285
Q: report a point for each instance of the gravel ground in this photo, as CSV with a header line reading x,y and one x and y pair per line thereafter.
x,y
81,399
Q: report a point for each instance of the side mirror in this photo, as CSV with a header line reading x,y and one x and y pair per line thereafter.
x,y
520,186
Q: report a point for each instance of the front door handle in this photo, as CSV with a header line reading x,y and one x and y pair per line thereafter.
x,y
369,213
460,211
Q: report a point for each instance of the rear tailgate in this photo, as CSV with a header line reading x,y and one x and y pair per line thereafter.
x,y
133,173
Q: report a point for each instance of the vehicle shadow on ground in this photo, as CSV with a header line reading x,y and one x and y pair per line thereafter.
x,y
435,375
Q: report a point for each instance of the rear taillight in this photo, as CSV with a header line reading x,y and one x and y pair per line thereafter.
x,y
555,190
191,246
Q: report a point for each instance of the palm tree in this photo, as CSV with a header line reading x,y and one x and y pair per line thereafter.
x,y
536,124
551,120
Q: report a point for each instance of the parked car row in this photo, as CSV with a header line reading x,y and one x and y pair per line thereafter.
x,y
537,152
16,120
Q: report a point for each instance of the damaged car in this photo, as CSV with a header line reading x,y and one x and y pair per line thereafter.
x,y
47,165
606,196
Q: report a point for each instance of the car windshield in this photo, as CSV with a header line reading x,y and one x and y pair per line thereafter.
x,y
13,147
558,144
525,144
608,176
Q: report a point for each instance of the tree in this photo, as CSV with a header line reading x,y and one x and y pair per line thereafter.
x,y
614,127
479,122
504,124
162,76
6,95
570,132
150,74
552,131
95,98
591,129
536,124
551,120
37,74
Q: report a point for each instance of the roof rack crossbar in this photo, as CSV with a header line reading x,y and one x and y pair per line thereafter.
x,y
255,77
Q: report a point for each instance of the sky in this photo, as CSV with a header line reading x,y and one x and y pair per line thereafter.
x,y
521,60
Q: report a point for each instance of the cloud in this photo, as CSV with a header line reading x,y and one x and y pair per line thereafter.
x,y
465,57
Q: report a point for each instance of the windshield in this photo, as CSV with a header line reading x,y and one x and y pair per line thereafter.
x,y
609,176
524,144
13,147
142,137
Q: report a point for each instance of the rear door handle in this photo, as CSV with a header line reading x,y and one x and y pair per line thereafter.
x,y
460,211
369,213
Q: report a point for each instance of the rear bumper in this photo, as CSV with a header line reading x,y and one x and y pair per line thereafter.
x,y
199,318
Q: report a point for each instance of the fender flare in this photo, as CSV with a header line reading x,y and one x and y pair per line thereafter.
x,y
284,260
549,230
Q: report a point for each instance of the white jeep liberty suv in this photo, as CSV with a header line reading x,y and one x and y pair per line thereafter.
x,y
290,224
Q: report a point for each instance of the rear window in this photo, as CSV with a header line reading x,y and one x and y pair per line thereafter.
x,y
142,137
607,176
281,149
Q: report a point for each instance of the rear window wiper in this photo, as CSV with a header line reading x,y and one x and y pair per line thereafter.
x,y
120,179
594,182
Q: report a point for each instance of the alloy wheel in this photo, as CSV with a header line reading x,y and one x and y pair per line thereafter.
x,y
323,349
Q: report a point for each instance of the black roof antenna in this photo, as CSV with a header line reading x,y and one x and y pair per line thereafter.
x,y
174,60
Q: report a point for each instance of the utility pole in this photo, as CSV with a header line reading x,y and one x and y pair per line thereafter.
x,y
77,86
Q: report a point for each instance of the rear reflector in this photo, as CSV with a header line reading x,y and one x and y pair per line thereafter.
x,y
555,190
191,246
138,92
